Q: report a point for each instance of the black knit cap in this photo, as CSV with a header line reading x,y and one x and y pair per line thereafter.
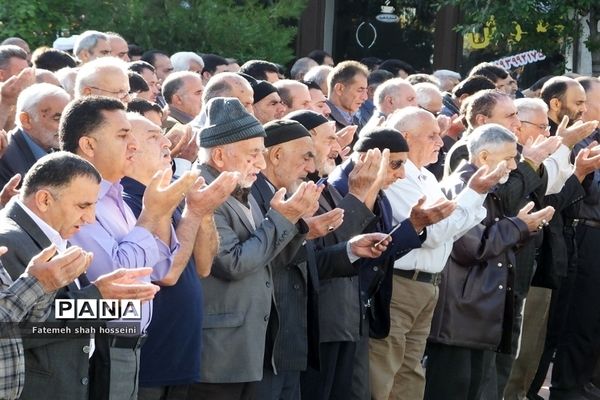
x,y
309,119
280,131
228,122
262,89
381,138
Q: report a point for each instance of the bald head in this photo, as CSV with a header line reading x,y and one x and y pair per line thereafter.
x,y
103,77
393,95
229,84
294,95
429,97
422,133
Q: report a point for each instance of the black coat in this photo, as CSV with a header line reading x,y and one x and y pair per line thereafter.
x,y
296,272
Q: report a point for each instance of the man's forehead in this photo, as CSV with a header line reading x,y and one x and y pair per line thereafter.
x,y
575,90
505,104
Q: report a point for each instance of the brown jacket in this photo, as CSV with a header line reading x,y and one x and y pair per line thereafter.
x,y
474,309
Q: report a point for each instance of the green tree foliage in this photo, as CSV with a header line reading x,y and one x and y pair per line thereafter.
x,y
242,29
520,25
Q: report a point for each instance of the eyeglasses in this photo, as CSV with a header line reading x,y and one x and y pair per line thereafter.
x,y
121,94
435,114
395,164
544,127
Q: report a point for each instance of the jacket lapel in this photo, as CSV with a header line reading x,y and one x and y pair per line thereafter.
x,y
17,214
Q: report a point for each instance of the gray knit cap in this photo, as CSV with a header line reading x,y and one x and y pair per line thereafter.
x,y
228,122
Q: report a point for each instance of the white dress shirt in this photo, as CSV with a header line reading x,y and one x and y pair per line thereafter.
x,y
559,169
435,250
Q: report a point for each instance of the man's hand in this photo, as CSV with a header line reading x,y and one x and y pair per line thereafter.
x,y
535,220
365,172
183,142
346,135
125,284
179,136
587,161
482,180
161,197
13,86
444,122
55,273
372,124
9,190
571,135
203,200
370,245
321,225
3,142
457,126
537,151
421,217
381,172
304,202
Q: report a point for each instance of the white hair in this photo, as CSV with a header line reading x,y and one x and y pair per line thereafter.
x,y
488,136
67,76
33,95
426,93
181,61
205,154
87,41
318,74
90,72
528,106
301,67
442,74
391,87
408,119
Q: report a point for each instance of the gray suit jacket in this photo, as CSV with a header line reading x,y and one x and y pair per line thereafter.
x,y
238,294
55,368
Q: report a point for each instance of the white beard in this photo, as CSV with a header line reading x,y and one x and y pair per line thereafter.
x,y
503,179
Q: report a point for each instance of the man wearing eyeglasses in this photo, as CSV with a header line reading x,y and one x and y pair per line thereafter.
x,y
105,76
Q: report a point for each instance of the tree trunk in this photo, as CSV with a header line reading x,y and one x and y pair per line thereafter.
x,y
594,39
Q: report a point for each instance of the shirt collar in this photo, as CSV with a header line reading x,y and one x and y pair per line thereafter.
x,y
110,189
133,186
49,231
348,117
179,115
36,149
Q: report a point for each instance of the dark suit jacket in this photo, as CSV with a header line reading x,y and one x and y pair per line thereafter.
x,y
17,159
55,368
341,323
296,273
376,275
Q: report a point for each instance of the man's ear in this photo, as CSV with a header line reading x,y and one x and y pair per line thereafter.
x,y
338,88
274,154
84,56
217,157
483,156
43,200
555,104
25,120
480,119
87,146
176,100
